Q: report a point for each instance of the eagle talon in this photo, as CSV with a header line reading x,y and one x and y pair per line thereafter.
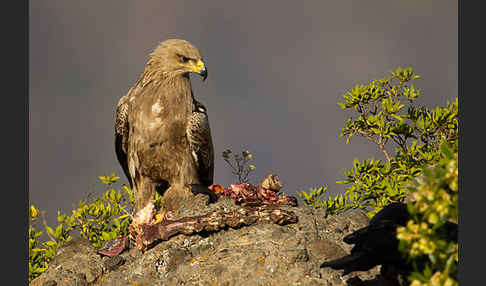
x,y
202,189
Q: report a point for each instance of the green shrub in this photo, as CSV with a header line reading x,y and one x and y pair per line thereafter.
x,y
98,220
424,240
39,256
387,115
423,167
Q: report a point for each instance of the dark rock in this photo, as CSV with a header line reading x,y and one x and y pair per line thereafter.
x,y
259,254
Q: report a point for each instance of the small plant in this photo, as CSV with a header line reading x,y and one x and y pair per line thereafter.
x,y
98,220
39,254
387,114
313,198
241,166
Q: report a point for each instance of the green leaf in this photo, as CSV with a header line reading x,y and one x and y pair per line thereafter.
x,y
50,230
33,212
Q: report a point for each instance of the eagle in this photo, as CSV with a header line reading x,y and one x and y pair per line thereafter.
x,y
162,135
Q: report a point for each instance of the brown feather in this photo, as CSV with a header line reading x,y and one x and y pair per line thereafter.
x,y
151,128
201,143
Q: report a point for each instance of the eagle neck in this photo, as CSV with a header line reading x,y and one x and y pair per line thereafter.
x,y
181,96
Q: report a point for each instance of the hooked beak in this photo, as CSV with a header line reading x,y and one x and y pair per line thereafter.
x,y
201,69
198,68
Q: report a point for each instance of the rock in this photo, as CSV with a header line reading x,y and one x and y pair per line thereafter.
x,y
75,263
49,283
112,263
259,254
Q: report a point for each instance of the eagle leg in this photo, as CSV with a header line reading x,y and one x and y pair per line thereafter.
x,y
144,193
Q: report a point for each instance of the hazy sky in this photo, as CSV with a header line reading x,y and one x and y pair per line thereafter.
x,y
276,71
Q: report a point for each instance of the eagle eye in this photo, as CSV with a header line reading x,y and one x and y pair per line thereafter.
x,y
184,59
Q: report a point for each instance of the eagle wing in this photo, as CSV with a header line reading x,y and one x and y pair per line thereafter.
x,y
201,143
121,134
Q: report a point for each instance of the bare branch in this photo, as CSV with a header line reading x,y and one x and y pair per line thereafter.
x,y
44,222
147,234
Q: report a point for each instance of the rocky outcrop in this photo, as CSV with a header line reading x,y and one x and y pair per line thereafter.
x,y
259,254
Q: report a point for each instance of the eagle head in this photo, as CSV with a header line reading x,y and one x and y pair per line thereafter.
x,y
176,56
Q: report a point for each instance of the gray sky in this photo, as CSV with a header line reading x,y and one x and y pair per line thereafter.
x,y
276,71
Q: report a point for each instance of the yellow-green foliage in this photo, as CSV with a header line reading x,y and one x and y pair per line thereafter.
x,y
387,114
436,195
39,255
97,219
423,138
